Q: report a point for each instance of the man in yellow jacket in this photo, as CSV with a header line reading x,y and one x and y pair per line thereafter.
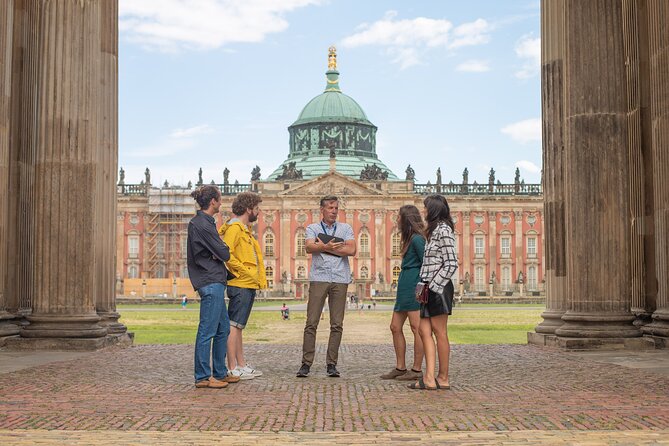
x,y
247,267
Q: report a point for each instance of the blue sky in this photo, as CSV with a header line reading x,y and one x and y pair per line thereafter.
x,y
216,83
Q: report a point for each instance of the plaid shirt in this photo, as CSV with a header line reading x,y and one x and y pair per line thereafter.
x,y
440,262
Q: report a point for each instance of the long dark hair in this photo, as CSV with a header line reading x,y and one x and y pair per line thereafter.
x,y
410,223
437,211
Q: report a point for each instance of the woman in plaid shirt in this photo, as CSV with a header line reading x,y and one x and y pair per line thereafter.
x,y
439,264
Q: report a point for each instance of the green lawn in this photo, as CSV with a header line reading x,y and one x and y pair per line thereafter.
x,y
476,324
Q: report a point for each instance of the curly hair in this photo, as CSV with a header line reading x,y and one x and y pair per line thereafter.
x,y
204,194
244,201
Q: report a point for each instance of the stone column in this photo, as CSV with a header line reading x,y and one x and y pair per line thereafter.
x,y
68,74
658,14
596,176
6,43
552,98
642,260
106,151
492,251
519,248
466,256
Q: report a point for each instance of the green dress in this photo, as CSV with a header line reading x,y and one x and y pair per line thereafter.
x,y
409,276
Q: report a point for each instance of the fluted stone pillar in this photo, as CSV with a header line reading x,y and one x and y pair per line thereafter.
x,y
596,175
552,98
658,15
66,125
6,43
107,164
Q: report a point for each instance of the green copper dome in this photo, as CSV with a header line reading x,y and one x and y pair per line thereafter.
x,y
332,105
332,125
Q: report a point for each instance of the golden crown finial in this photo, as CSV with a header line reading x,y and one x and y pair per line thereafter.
x,y
332,58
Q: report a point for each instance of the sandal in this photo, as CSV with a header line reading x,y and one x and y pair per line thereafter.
x,y
440,387
420,385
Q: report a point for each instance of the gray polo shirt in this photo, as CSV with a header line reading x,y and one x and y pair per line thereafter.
x,y
326,267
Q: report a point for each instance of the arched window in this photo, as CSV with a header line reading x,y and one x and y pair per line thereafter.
x,y
269,244
269,273
506,278
299,243
479,278
364,272
301,272
532,278
396,274
396,243
133,272
364,244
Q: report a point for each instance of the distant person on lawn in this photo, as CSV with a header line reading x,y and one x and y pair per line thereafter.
x,y
206,253
246,265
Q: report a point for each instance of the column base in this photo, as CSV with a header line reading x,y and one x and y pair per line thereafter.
x,y
8,326
642,318
598,325
18,343
109,320
64,326
553,341
660,324
552,320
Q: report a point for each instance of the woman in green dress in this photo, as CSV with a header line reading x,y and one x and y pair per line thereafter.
x,y
411,229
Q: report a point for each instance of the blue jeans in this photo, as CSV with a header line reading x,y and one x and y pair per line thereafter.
x,y
214,325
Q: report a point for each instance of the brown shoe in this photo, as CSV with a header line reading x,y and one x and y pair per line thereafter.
x,y
411,375
231,379
217,383
394,373
201,384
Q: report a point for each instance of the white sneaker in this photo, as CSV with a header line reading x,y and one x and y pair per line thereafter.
x,y
241,373
251,371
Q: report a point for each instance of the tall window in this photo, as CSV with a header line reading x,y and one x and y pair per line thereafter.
x,y
269,244
133,272
364,272
531,247
506,247
479,278
133,246
269,273
299,243
160,272
396,274
396,240
506,278
364,244
184,272
455,243
160,244
479,247
532,278
184,246
301,272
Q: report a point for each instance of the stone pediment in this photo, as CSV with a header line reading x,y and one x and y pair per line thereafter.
x,y
332,183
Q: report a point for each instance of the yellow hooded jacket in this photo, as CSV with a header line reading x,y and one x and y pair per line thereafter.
x,y
246,262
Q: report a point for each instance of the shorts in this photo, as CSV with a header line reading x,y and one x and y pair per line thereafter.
x,y
438,304
239,307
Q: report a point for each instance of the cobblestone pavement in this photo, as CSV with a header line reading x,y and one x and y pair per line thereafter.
x,y
501,393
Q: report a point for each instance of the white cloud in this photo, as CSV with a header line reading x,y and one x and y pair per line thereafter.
x,y
528,166
192,131
406,40
528,49
524,131
174,25
474,66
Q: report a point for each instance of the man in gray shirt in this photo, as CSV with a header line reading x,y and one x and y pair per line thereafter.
x,y
329,277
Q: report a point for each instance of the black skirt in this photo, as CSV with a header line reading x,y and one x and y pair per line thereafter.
x,y
438,303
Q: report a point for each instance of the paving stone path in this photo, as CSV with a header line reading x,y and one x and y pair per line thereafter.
x,y
522,392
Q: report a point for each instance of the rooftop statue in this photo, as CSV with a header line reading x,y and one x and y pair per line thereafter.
x,y
290,172
411,174
255,173
373,172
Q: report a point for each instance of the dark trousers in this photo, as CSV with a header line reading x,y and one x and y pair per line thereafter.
x,y
336,294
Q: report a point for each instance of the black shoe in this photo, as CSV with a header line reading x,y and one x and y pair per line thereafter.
x,y
304,371
332,371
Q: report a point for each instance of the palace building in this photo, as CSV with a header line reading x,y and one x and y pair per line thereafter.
x,y
332,150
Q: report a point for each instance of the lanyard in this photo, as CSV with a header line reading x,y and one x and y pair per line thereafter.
x,y
334,228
